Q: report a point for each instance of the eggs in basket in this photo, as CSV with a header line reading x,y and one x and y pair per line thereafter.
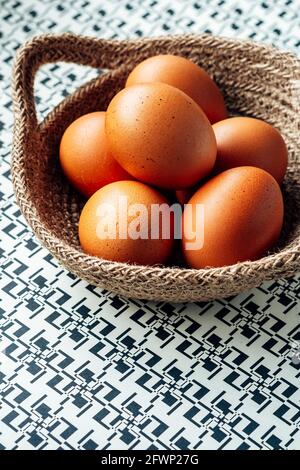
x,y
169,175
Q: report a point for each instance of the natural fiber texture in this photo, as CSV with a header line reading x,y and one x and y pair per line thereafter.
x,y
256,80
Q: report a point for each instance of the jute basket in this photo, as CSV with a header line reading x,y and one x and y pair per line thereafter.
x,y
256,80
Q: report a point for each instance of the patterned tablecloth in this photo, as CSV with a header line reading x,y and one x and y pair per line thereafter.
x,y
81,368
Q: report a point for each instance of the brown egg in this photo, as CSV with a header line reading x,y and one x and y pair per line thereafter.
x,y
247,141
160,136
84,155
184,195
185,75
243,216
113,227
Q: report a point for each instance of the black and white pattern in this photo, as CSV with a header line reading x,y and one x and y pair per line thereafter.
x,y
81,368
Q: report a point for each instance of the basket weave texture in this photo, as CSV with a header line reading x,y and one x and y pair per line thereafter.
x,y
256,81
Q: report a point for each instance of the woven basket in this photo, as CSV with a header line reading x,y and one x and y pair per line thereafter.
x,y
256,80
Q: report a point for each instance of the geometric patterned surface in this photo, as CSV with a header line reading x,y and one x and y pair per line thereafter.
x,y
81,368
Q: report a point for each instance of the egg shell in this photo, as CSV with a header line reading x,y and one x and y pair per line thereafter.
x,y
128,250
185,75
84,155
248,141
160,135
184,195
243,216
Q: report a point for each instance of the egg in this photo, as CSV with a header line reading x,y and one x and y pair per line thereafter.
x,y
248,141
160,136
84,155
235,216
185,75
183,195
117,224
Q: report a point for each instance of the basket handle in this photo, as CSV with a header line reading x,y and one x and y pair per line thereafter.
x,y
94,52
98,53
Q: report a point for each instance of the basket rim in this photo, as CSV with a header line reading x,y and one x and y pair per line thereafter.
x,y
49,240
210,38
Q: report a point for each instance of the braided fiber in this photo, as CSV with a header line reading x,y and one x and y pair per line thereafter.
x,y
256,80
